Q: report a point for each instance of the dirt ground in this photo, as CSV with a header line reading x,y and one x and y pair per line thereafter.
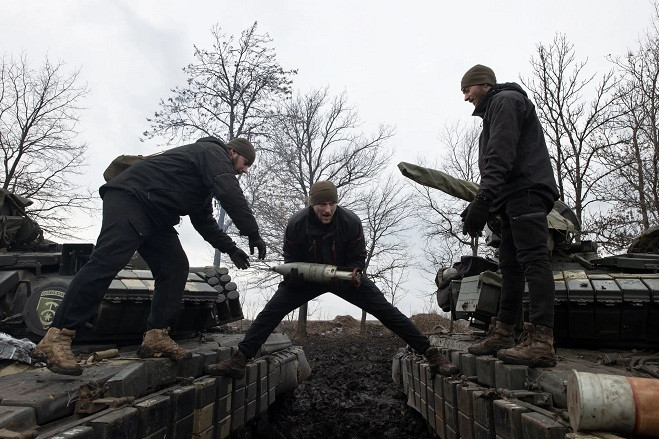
x,y
350,393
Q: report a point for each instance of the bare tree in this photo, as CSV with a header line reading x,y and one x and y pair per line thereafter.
x,y
315,137
440,213
231,91
387,210
577,128
633,188
38,136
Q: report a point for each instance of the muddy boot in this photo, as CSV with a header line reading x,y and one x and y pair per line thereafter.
x,y
233,367
157,343
54,349
439,364
499,336
536,348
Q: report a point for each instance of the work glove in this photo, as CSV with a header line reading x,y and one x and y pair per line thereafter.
x,y
475,216
240,258
256,241
294,278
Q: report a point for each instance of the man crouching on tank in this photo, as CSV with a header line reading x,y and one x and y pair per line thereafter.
x,y
141,206
325,233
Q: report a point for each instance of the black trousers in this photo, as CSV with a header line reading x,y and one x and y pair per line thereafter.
x,y
523,255
367,297
127,228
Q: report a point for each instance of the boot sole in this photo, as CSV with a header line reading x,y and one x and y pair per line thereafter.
x,y
148,353
489,351
534,362
72,372
42,358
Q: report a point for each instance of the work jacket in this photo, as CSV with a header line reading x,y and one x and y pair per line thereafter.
x,y
183,181
339,243
513,155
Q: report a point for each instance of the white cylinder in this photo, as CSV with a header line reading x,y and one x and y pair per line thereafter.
x,y
600,402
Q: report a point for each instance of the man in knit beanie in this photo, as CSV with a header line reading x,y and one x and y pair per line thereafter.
x,y
326,233
517,183
141,206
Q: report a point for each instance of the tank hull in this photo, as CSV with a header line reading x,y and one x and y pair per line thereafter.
x,y
605,324
33,283
124,396
491,399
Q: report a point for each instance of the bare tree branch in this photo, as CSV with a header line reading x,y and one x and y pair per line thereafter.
x,y
38,137
231,90
439,213
578,129
632,189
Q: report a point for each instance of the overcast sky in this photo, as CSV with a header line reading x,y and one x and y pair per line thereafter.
x,y
399,63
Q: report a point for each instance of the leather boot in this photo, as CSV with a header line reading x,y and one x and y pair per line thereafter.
x,y
536,348
54,349
233,367
157,343
439,364
499,336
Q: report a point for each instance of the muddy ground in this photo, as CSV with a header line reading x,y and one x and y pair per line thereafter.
x,y
350,393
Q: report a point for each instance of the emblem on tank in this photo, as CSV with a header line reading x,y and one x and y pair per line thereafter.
x,y
48,302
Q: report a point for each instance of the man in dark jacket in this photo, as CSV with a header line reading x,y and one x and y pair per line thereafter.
x,y
325,233
517,182
141,206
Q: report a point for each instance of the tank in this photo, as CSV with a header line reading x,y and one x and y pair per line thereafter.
x,y
605,331
603,302
118,394
36,272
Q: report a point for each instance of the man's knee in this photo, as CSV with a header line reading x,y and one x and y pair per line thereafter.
x,y
101,265
182,266
535,262
178,258
511,269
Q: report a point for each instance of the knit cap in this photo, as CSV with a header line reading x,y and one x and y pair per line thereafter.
x,y
478,74
322,191
243,147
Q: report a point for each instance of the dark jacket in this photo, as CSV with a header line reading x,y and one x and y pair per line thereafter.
x,y
339,243
182,181
513,155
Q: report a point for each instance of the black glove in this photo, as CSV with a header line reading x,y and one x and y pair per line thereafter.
x,y
475,216
256,241
240,259
294,278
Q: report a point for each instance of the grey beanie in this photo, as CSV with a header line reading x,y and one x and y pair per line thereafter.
x,y
243,147
322,191
478,74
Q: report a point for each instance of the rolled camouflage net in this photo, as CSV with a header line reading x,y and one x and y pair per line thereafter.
x,y
466,190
